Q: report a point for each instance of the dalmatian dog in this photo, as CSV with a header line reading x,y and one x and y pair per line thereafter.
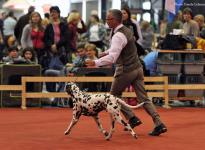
x,y
91,104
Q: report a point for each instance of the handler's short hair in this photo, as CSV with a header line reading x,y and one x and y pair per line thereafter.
x,y
117,14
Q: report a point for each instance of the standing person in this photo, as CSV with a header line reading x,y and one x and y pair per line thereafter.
x,y
56,42
46,19
96,32
33,35
134,27
9,25
190,26
148,35
73,20
23,20
128,71
2,16
200,20
56,38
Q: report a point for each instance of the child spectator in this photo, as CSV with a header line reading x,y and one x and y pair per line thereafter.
x,y
81,56
29,55
12,56
79,61
91,51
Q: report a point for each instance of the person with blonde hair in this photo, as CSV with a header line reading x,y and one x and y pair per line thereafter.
x,y
91,51
73,21
200,20
147,35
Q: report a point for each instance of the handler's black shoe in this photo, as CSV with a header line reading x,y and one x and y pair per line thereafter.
x,y
158,130
134,121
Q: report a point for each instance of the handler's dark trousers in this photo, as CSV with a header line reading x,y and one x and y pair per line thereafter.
x,y
136,79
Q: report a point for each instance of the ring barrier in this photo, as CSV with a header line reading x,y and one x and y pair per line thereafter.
x,y
154,90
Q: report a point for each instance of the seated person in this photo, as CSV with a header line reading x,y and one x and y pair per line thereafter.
x,y
29,56
12,56
150,61
83,53
81,56
91,51
79,61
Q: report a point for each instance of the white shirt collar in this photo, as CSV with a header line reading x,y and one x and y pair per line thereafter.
x,y
118,27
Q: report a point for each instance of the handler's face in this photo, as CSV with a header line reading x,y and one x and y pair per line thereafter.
x,y
110,20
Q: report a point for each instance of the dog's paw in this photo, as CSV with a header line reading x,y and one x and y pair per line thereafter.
x,y
106,133
108,137
66,133
135,136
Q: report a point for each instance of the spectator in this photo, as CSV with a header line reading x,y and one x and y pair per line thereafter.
x,y
29,55
81,56
73,20
46,20
9,25
150,61
147,34
163,28
1,45
2,17
134,27
23,20
11,41
91,51
33,36
56,40
12,56
76,26
190,26
200,20
96,32
79,61
176,24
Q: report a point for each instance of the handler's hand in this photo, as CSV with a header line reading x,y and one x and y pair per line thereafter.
x,y
89,63
54,48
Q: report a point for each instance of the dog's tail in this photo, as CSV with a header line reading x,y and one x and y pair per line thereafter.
x,y
125,104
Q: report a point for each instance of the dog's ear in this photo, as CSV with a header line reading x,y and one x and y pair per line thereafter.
x,y
67,86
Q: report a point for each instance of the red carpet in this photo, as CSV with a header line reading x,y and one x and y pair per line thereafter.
x,y
43,129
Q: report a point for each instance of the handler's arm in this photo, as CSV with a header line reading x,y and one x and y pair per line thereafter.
x,y
118,42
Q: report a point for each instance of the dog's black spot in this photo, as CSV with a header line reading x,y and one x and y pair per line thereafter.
x,y
123,122
78,114
115,107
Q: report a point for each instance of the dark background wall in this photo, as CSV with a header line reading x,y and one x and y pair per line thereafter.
x,y
197,6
